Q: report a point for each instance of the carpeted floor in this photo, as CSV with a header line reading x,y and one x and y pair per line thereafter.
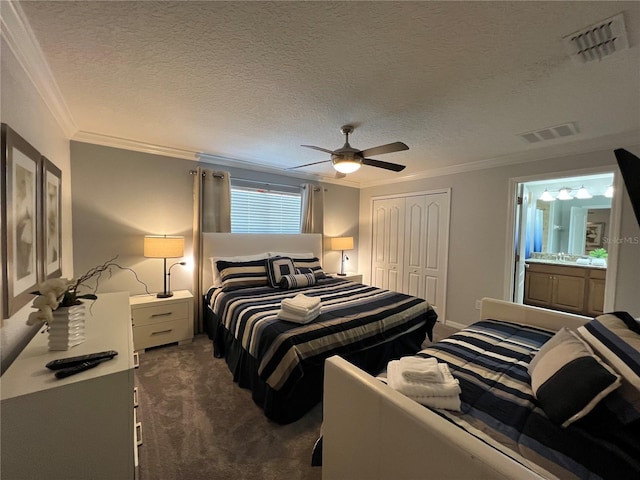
x,y
198,424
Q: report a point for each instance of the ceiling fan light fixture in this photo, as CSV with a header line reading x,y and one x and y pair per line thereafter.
x,y
346,166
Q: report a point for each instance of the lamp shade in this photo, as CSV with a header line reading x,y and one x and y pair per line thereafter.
x,y
342,243
163,246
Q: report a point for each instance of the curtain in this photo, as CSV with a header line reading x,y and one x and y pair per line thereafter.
x,y
211,213
312,209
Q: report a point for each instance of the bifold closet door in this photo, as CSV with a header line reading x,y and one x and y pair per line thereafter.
x,y
388,243
410,245
425,251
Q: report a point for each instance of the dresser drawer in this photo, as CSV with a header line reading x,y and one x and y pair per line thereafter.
x,y
159,313
161,333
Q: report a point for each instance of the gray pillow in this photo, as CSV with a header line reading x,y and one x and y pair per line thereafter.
x,y
568,379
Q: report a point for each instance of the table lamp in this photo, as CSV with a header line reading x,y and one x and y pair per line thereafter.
x,y
163,247
342,244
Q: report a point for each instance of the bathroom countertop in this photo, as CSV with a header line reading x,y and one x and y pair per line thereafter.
x,y
564,263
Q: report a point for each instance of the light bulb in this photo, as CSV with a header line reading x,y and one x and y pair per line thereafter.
x,y
546,196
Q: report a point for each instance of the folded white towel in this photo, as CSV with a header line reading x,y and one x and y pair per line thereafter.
x,y
297,318
420,369
300,304
448,387
446,403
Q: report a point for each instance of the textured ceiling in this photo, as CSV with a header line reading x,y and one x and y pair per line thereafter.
x,y
252,81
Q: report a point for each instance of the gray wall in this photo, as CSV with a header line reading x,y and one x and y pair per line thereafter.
x,y
24,111
478,230
120,195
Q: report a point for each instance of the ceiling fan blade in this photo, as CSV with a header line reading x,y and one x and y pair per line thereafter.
x,y
318,148
308,164
340,175
388,148
380,164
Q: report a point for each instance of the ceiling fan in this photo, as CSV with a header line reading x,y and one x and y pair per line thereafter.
x,y
348,159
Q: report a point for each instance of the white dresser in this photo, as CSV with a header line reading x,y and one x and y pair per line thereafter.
x,y
159,321
80,427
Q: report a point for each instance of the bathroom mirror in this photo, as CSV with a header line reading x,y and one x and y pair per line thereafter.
x,y
574,226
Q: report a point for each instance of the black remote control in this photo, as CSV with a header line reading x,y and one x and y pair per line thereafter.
x,y
73,361
81,367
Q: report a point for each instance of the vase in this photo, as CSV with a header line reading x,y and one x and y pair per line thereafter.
x,y
67,328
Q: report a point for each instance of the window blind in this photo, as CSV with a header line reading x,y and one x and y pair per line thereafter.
x,y
255,210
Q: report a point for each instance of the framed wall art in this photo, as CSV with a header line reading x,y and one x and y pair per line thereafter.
x,y
52,219
593,234
21,167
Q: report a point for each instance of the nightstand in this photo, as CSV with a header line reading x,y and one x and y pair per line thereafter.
x,y
351,276
159,321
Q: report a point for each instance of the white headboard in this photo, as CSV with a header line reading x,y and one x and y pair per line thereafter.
x,y
234,244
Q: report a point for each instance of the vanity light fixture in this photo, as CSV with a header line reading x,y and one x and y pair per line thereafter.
x,y
583,193
564,194
546,196
609,192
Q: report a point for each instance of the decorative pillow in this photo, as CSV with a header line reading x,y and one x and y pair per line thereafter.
x,y
299,280
568,379
616,337
277,267
313,263
217,281
236,275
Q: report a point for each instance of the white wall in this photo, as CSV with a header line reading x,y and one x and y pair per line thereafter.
x,y
24,111
478,230
120,195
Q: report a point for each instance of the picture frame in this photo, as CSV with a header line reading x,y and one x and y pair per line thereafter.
x,y
593,234
21,167
51,219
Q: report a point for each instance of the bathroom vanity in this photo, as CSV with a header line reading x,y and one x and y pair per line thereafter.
x,y
565,286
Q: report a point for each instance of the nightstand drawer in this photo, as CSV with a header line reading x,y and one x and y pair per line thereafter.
x,y
161,333
159,313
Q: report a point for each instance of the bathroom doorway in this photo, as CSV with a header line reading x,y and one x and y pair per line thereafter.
x,y
561,250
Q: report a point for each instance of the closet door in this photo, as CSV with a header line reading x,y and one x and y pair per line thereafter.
x,y
388,243
426,244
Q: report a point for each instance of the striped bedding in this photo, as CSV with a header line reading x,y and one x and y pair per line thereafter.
x,y
490,360
353,317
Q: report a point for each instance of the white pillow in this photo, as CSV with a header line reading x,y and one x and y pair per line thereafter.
x,y
292,255
217,281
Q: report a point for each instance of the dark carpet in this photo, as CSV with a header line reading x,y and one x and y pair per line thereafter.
x,y
198,424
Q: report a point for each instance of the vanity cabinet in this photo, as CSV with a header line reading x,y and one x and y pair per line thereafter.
x,y
570,289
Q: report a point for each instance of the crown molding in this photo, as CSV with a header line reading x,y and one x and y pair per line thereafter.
x,y
134,145
572,148
16,31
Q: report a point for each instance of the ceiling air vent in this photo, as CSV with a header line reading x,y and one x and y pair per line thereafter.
x,y
551,133
598,41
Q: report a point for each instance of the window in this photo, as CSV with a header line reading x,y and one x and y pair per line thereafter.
x,y
257,210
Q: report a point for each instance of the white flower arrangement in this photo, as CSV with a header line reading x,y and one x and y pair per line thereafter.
x,y
62,292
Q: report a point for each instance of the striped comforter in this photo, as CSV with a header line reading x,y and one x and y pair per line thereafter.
x,y
490,360
353,317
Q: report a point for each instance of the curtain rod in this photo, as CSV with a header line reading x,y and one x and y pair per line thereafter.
x,y
204,174
266,184
271,184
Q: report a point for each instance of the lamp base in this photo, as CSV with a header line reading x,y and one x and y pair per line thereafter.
x,y
164,295
342,274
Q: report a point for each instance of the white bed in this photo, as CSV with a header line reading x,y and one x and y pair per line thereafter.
x,y
370,431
